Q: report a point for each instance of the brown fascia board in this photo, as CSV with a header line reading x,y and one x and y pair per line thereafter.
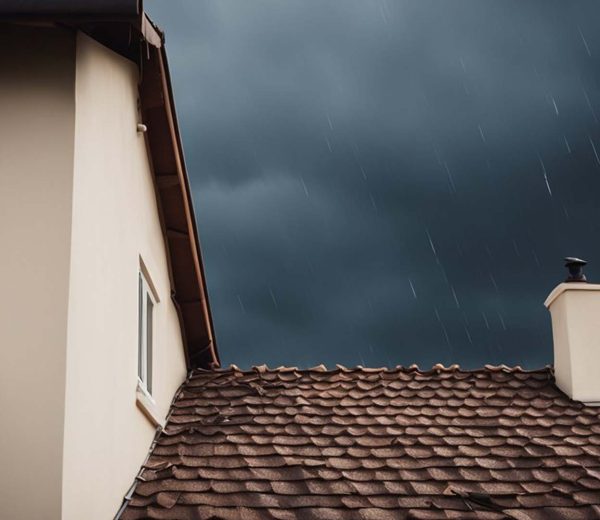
x,y
134,36
193,231
174,199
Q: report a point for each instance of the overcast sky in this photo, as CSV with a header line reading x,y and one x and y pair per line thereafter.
x,y
388,182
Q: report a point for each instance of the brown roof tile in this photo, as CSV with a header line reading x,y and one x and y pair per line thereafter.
x,y
373,444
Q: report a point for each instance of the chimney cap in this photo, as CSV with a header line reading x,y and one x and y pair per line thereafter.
x,y
575,267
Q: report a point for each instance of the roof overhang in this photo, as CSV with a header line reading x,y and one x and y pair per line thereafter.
x,y
123,26
55,8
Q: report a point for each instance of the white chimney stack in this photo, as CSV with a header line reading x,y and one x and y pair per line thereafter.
x,y
575,309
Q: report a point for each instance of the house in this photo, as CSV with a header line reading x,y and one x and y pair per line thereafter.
x,y
114,405
104,308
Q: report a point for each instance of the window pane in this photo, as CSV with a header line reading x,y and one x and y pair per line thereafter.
x,y
149,309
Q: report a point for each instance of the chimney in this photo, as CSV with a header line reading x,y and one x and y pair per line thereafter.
x,y
575,309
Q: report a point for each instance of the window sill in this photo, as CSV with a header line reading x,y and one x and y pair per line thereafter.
x,y
148,407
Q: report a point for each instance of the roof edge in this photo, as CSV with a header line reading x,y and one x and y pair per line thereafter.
x,y
71,8
197,354
435,369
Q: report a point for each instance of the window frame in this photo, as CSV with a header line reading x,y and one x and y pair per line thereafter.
x,y
146,317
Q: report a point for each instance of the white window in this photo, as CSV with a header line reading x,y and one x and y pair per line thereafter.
x,y
146,303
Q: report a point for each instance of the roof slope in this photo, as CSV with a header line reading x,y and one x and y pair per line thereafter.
x,y
373,444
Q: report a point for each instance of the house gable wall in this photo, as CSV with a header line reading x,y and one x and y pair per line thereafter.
x,y
115,224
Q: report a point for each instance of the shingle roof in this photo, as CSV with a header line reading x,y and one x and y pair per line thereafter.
x,y
373,444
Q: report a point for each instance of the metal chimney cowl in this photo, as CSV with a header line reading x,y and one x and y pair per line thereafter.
x,y
574,306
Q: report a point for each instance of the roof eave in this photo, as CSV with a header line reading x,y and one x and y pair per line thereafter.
x,y
189,292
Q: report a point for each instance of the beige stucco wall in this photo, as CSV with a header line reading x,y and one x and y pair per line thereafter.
x,y
36,166
77,212
115,222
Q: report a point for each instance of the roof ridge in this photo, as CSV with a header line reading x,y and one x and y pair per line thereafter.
x,y
438,368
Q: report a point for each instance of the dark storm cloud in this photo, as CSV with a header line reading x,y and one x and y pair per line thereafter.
x,y
387,182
